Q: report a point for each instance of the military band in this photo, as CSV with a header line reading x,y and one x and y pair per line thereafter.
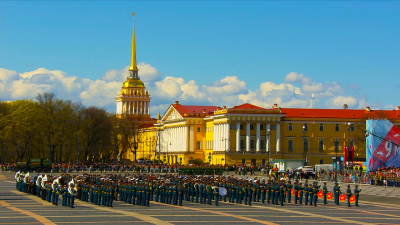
x,y
140,189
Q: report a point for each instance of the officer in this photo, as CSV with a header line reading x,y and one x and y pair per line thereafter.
x,y
315,193
269,191
289,189
250,191
348,195
311,193
216,194
282,193
180,194
296,192
263,192
325,192
357,194
301,190
305,194
337,192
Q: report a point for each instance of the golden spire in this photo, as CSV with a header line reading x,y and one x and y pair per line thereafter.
x,y
133,68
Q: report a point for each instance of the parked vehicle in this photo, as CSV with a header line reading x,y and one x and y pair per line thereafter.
x,y
306,172
39,165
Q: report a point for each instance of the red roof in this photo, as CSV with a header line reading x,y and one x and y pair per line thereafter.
x,y
247,106
182,109
339,113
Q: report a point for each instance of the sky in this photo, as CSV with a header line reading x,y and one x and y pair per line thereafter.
x,y
204,52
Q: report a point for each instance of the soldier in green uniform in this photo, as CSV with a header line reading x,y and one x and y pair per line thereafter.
x,y
289,190
325,192
296,192
337,192
301,190
216,194
348,192
180,194
148,194
306,193
64,195
357,194
315,193
263,191
250,190
269,192
311,193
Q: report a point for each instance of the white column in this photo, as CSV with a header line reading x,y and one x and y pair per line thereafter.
x,y
228,134
215,137
218,138
258,138
133,107
248,136
278,137
148,108
185,138
238,137
268,142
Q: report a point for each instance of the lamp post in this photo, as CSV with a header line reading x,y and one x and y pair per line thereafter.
x,y
268,148
304,144
348,147
226,149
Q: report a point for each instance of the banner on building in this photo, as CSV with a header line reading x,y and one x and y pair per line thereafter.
x,y
383,149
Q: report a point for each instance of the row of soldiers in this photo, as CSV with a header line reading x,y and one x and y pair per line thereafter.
x,y
388,179
140,189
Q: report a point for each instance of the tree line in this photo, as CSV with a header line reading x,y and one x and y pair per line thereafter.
x,y
63,131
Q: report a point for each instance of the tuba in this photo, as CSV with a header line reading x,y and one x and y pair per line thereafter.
x,y
26,177
55,184
72,189
17,175
39,180
44,181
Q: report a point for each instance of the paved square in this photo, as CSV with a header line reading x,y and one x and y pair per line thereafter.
x,y
21,208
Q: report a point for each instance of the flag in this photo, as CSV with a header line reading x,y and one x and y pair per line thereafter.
x,y
342,197
329,196
292,192
298,194
352,199
345,154
351,153
320,194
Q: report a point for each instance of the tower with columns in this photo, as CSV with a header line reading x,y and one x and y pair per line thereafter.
x,y
133,98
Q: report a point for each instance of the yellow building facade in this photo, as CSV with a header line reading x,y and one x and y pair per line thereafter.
x,y
244,134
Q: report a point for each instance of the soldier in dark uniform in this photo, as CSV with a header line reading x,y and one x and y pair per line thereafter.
x,y
269,191
306,193
289,190
282,193
357,194
325,192
296,192
311,193
216,194
348,192
263,191
301,190
337,192
250,190
315,193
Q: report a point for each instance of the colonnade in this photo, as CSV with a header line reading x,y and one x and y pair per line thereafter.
x,y
135,107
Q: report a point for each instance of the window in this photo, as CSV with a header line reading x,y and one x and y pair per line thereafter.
x,y
251,127
321,144
198,144
321,127
241,144
352,128
290,144
251,144
337,128
241,127
290,127
336,145
305,144
263,161
262,144
273,127
305,127
198,129
261,127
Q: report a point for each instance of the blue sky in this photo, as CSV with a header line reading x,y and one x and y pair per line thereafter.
x,y
351,50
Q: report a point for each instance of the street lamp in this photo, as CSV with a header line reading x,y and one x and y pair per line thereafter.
x,y
304,139
348,147
267,146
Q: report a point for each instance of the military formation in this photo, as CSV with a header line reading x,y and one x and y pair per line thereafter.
x,y
141,189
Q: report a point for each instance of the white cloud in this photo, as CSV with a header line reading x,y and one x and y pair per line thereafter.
x,y
230,91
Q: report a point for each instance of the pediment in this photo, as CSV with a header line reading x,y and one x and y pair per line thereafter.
x,y
172,114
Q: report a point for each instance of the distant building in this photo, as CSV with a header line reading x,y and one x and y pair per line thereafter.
x,y
244,134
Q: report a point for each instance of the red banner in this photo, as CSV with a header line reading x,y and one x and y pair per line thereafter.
x,y
320,194
292,192
342,197
352,199
329,196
